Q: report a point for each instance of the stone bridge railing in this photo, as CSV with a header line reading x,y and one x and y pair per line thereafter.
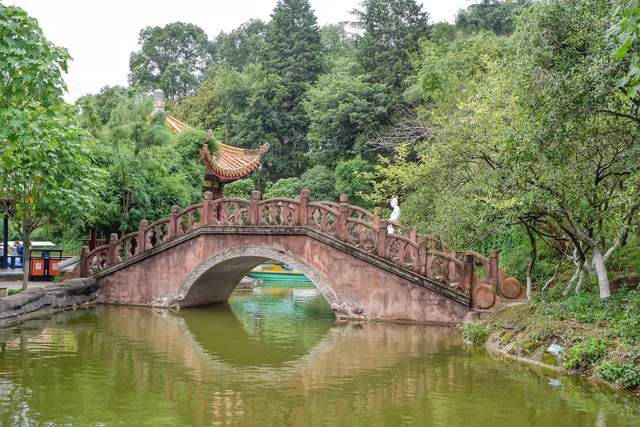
x,y
350,224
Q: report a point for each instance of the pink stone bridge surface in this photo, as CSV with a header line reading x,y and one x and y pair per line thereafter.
x,y
198,255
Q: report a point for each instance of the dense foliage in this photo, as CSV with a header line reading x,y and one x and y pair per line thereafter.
x,y
147,169
627,31
172,58
515,128
527,134
46,174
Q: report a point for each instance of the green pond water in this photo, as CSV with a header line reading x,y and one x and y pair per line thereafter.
x,y
276,356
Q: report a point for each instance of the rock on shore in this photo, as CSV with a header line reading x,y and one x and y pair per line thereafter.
x,y
36,302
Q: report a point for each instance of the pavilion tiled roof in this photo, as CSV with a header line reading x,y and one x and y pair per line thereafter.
x,y
229,163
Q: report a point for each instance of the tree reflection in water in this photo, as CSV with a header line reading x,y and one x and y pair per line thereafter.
x,y
273,358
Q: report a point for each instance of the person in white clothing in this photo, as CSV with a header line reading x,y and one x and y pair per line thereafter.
x,y
395,215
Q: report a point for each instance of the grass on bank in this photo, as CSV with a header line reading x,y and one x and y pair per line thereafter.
x,y
599,338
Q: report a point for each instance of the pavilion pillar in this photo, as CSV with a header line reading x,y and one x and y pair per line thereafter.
x,y
5,241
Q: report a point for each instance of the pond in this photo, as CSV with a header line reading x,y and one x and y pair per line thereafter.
x,y
276,356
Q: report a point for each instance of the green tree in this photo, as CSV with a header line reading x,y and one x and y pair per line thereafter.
x,y
627,30
293,52
585,137
284,187
343,110
45,166
350,179
517,141
240,47
147,169
491,15
241,188
172,58
338,44
321,181
293,46
392,30
95,110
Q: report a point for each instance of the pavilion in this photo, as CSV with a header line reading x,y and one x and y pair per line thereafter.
x,y
228,164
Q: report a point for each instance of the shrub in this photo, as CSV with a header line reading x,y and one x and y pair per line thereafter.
x,y
321,181
284,187
610,370
622,374
191,140
241,188
349,180
475,332
585,353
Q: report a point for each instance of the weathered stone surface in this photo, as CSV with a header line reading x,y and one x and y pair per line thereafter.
x,y
42,301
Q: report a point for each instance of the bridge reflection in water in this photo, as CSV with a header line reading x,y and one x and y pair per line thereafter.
x,y
273,357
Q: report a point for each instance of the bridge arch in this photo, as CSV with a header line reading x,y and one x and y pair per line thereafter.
x,y
214,279
361,270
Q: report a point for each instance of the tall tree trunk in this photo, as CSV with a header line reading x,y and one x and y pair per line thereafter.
x,y
581,279
601,271
26,251
532,261
557,270
577,274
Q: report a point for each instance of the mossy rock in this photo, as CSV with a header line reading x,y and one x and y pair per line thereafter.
x,y
549,359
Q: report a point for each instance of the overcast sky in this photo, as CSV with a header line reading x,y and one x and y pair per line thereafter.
x,y
100,35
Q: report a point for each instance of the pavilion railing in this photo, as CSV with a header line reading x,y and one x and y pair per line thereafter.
x,y
353,225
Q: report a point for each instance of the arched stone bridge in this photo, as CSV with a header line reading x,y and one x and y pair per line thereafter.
x,y
198,256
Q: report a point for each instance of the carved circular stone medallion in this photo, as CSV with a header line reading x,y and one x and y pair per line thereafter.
x,y
510,288
484,297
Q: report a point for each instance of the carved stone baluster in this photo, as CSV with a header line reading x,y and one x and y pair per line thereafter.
x,y
284,213
129,247
303,209
173,222
341,230
273,213
222,216
468,281
206,209
190,220
382,237
254,214
493,275
232,213
422,260
469,277
324,219
148,243
141,239
452,267
84,261
376,218
111,254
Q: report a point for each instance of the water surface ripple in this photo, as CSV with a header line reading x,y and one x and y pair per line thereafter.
x,y
276,356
